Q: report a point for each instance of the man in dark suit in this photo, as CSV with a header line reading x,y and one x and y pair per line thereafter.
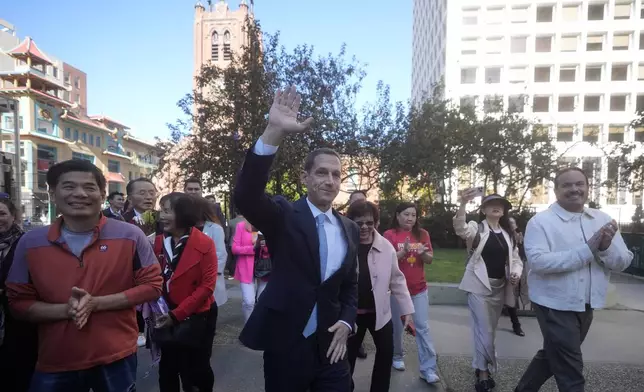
x,y
116,200
303,318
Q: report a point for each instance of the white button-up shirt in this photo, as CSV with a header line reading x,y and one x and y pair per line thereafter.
x,y
563,273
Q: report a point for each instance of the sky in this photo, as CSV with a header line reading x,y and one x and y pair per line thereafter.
x,y
138,54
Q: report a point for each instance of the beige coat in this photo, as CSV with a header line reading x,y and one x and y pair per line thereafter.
x,y
387,280
475,280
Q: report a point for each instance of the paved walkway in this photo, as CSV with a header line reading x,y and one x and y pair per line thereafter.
x,y
613,353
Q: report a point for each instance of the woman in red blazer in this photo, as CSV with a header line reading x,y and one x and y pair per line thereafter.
x,y
188,261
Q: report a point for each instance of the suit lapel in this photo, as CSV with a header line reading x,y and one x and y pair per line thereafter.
x,y
189,256
306,224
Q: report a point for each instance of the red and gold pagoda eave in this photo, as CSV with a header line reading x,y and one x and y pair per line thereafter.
x,y
29,52
30,79
36,94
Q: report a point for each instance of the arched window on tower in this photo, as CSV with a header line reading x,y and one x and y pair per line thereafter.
x,y
227,53
214,54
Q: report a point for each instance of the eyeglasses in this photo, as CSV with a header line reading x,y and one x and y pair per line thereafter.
x,y
367,223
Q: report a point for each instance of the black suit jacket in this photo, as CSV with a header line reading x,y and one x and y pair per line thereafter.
x,y
108,213
295,284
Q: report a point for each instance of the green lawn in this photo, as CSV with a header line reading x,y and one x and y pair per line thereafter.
x,y
448,266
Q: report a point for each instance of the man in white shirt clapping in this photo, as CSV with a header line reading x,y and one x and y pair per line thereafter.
x,y
571,251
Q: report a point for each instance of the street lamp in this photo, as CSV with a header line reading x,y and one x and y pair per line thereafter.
x,y
8,105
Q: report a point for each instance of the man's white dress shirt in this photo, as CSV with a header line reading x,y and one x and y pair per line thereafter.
x,y
563,273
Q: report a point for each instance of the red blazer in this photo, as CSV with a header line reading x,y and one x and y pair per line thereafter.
x,y
193,283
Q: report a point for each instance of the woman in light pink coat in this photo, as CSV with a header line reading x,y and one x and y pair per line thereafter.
x,y
244,248
379,277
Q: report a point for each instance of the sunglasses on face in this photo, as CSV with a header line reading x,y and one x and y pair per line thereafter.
x,y
364,223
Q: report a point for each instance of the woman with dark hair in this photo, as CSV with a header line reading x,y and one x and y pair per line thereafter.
x,y
379,278
413,250
189,268
18,339
493,268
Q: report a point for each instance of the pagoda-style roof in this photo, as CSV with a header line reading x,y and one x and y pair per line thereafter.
x,y
38,80
106,120
70,116
29,49
39,95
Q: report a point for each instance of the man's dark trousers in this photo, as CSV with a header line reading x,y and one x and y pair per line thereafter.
x,y
303,367
563,333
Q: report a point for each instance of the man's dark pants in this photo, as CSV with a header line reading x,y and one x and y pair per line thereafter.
x,y
119,376
563,333
300,368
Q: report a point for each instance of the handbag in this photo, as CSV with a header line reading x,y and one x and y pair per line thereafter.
x,y
263,266
189,333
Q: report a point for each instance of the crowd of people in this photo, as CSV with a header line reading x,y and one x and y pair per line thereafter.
x,y
79,297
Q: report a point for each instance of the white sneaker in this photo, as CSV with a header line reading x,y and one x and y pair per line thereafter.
x,y
398,364
431,378
141,340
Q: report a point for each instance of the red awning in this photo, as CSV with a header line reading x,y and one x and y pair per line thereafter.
x,y
115,177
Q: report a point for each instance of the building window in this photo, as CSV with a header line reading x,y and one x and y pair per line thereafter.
x,y
77,82
621,41
517,74
566,104
8,122
592,103
75,135
494,45
591,133
619,72
129,176
113,166
98,141
492,103
616,133
519,14
541,104
623,10
54,72
47,156
542,74
82,157
570,13
91,139
518,44
543,44
595,43
468,101
66,96
567,74
638,134
469,45
642,37
493,75
544,13
639,103
468,75
67,79
617,103
593,73
596,11
227,53
565,133
494,16
84,137
214,48
640,76
569,43
470,17
516,103
68,133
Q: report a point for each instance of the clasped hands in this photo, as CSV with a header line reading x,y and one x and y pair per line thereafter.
x,y
80,306
603,237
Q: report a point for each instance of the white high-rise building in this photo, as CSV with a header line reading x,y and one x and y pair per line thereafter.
x,y
576,66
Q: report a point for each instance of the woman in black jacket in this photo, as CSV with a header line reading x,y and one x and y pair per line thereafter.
x,y
18,339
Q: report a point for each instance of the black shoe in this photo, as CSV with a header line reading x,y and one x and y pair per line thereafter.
x,y
517,330
362,354
484,385
490,381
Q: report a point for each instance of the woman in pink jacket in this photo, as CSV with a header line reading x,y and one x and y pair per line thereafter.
x,y
379,278
244,248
